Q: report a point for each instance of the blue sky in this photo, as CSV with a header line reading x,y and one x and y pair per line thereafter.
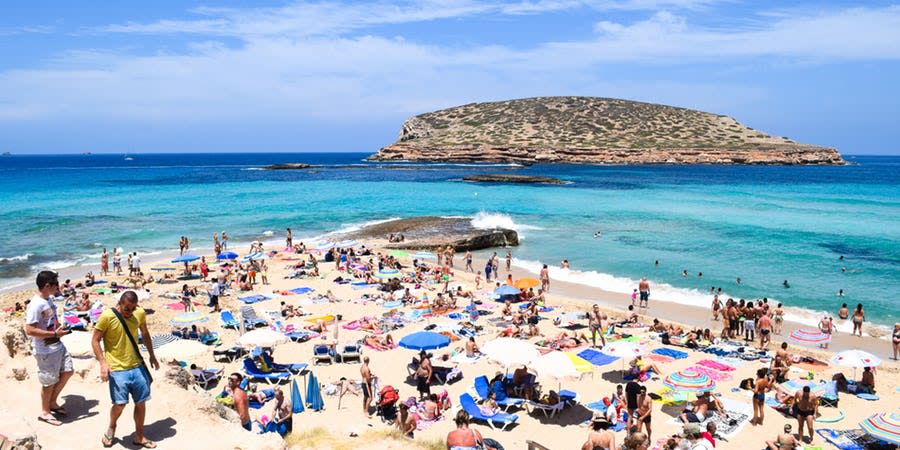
x,y
167,76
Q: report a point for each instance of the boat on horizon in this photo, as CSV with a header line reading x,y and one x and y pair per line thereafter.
x,y
128,158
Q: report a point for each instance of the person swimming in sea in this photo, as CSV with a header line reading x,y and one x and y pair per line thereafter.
x,y
738,280
786,284
597,234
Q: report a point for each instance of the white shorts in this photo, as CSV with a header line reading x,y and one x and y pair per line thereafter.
x,y
50,365
749,325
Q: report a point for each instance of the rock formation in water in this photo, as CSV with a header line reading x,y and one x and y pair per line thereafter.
x,y
593,131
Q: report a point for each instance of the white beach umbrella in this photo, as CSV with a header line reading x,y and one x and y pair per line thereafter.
x,y
855,359
181,350
558,366
624,349
509,352
324,245
262,337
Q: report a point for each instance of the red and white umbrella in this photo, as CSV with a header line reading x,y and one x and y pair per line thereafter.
x,y
625,349
855,359
809,336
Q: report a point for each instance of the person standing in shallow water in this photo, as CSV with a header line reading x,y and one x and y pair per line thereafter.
x,y
644,289
859,316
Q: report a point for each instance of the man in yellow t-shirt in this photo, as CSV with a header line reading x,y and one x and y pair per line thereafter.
x,y
121,365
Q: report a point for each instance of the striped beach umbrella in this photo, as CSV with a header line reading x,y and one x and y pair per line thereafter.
x,y
809,336
346,244
387,274
424,255
159,340
884,427
189,318
689,381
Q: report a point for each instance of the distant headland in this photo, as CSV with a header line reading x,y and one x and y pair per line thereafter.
x,y
592,130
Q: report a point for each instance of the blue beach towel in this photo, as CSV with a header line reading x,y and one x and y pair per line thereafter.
x,y
596,358
301,290
363,286
671,353
253,298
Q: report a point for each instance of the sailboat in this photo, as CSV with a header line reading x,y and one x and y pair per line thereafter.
x,y
128,158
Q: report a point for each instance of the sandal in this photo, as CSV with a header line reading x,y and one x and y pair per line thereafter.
x,y
50,420
59,410
108,439
146,444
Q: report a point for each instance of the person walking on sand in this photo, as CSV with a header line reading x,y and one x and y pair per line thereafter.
x,y
469,261
289,238
367,387
806,405
644,289
859,316
224,241
508,260
53,360
545,278
122,365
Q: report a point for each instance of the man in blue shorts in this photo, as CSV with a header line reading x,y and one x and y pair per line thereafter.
x,y
122,365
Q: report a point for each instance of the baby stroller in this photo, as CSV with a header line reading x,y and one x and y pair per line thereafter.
x,y
386,406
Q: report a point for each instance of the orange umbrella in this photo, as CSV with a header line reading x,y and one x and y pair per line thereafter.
x,y
525,283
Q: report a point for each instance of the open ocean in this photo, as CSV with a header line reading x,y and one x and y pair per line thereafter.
x,y
762,224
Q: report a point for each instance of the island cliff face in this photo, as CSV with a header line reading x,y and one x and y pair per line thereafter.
x,y
591,130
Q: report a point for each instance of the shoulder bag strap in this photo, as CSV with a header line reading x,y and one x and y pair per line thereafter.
x,y
130,337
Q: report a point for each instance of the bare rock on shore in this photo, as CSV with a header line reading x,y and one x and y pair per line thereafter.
x,y
432,232
592,130
509,178
18,433
15,340
287,166
179,377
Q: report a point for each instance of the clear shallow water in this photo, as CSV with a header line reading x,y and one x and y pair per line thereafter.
x,y
762,224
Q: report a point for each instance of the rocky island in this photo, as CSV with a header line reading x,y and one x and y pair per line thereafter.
x,y
433,232
508,178
287,166
594,131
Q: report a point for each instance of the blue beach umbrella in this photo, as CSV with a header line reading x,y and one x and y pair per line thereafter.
x,y
507,290
313,395
424,340
227,255
296,399
185,258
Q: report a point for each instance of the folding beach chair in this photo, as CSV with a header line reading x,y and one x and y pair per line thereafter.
x,y
251,319
230,354
322,353
205,377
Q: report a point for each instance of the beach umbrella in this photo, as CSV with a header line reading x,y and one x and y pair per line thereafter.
x,y
296,399
324,245
227,255
855,359
560,366
159,340
809,336
525,283
185,258
314,394
262,337
255,256
189,318
794,386
507,290
424,340
689,381
509,352
346,244
161,267
424,255
181,350
387,274
399,253
883,426
624,349
78,343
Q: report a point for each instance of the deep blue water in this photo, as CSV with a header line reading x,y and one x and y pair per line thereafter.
x,y
762,224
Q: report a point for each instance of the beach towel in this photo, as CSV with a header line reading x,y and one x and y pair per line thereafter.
x,y
253,298
839,439
715,375
301,290
357,287
595,357
738,415
677,354
661,358
461,358
716,365
351,325
393,304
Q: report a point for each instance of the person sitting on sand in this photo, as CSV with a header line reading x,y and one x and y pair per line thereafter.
x,y
431,408
472,349
706,402
640,367
784,441
658,326
344,386
563,340
407,422
510,331
690,414
507,309
867,384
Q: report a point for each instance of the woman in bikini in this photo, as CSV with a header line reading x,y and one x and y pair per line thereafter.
x,y
759,396
777,319
859,316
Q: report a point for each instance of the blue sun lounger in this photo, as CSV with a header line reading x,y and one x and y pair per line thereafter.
x,y
228,320
503,419
293,368
269,377
482,388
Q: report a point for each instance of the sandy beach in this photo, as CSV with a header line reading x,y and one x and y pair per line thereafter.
x,y
179,418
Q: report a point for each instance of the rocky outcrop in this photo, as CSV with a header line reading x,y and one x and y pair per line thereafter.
x,y
16,433
287,166
434,232
508,178
592,130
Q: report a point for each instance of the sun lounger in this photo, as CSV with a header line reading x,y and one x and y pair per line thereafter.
x,y
228,320
322,353
482,388
251,319
269,377
548,410
204,377
502,419
293,367
230,354
350,352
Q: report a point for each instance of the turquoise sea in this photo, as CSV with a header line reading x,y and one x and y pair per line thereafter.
x,y
761,224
